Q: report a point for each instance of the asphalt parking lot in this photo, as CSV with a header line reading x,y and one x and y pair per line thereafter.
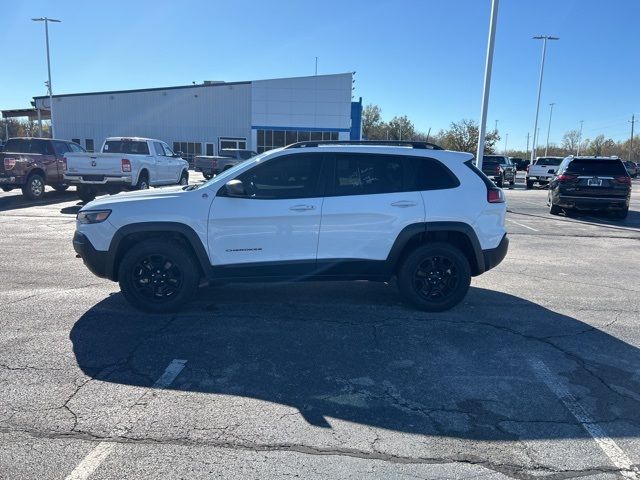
x,y
535,375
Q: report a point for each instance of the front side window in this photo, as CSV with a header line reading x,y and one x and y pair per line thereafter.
x,y
60,147
367,174
159,149
74,147
291,176
167,150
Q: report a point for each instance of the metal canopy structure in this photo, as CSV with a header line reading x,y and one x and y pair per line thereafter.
x,y
31,113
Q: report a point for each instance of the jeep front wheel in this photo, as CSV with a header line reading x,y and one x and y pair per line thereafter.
x,y
434,277
158,276
34,188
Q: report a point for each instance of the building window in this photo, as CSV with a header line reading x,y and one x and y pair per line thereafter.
x,y
88,144
188,149
269,139
209,150
232,142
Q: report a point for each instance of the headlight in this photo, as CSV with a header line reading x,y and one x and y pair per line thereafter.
x,y
93,216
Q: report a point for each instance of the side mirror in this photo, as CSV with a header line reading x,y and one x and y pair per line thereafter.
x,y
234,188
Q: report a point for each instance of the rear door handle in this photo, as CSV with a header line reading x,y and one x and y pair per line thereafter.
x,y
403,204
301,208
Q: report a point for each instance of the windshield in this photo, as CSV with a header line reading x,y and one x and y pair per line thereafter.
x,y
596,167
549,161
126,146
230,173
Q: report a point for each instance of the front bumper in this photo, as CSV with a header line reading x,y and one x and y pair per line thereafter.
x,y
493,256
95,260
98,179
592,203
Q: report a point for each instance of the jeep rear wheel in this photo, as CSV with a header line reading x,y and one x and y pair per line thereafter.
x,y
86,193
434,277
158,276
34,188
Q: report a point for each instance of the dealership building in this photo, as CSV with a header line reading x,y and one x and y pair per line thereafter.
x,y
203,118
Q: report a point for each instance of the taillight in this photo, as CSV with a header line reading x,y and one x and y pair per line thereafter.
x,y
9,163
126,165
621,179
64,164
495,195
565,178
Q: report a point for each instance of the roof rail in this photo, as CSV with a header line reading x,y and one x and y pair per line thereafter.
x,y
391,143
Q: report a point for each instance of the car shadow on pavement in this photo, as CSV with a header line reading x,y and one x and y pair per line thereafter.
x,y
352,351
18,201
604,218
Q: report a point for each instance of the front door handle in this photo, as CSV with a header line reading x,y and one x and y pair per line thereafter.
x,y
302,208
403,204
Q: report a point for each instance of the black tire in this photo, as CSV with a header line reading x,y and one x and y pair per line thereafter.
x,y
33,189
529,184
6,189
143,181
512,184
143,273
184,179
554,209
446,288
61,188
207,176
86,193
500,182
621,213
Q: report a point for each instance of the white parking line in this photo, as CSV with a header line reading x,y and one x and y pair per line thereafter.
x,y
522,225
606,443
92,461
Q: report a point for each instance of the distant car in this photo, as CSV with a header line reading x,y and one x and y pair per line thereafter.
x,y
499,169
632,168
212,165
31,163
590,183
542,170
521,164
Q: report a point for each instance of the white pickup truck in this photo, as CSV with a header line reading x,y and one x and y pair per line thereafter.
x,y
124,163
542,170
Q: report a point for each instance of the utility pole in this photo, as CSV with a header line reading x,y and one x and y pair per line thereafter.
x,y
579,139
316,66
633,121
546,150
544,39
46,21
495,129
487,82
506,139
527,144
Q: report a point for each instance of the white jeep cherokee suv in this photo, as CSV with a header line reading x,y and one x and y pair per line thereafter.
x,y
312,210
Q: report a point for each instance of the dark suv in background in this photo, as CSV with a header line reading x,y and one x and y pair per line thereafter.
x,y
499,169
31,163
590,183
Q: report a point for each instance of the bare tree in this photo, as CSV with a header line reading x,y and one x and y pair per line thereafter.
x,y
571,140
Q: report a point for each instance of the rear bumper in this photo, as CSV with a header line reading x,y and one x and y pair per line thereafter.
x,y
96,180
493,256
95,260
592,203
539,178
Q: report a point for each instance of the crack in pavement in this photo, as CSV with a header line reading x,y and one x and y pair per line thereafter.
x,y
512,470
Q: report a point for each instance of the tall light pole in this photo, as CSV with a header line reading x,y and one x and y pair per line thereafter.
x,y
487,82
544,39
633,121
506,139
46,21
546,150
579,138
495,129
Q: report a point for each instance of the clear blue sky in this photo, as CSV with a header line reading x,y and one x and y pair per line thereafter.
x,y
424,59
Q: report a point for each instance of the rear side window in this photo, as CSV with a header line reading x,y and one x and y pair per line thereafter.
x,y
428,174
126,146
367,174
610,168
28,145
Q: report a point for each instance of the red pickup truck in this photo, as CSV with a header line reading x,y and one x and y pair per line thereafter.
x,y
32,163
